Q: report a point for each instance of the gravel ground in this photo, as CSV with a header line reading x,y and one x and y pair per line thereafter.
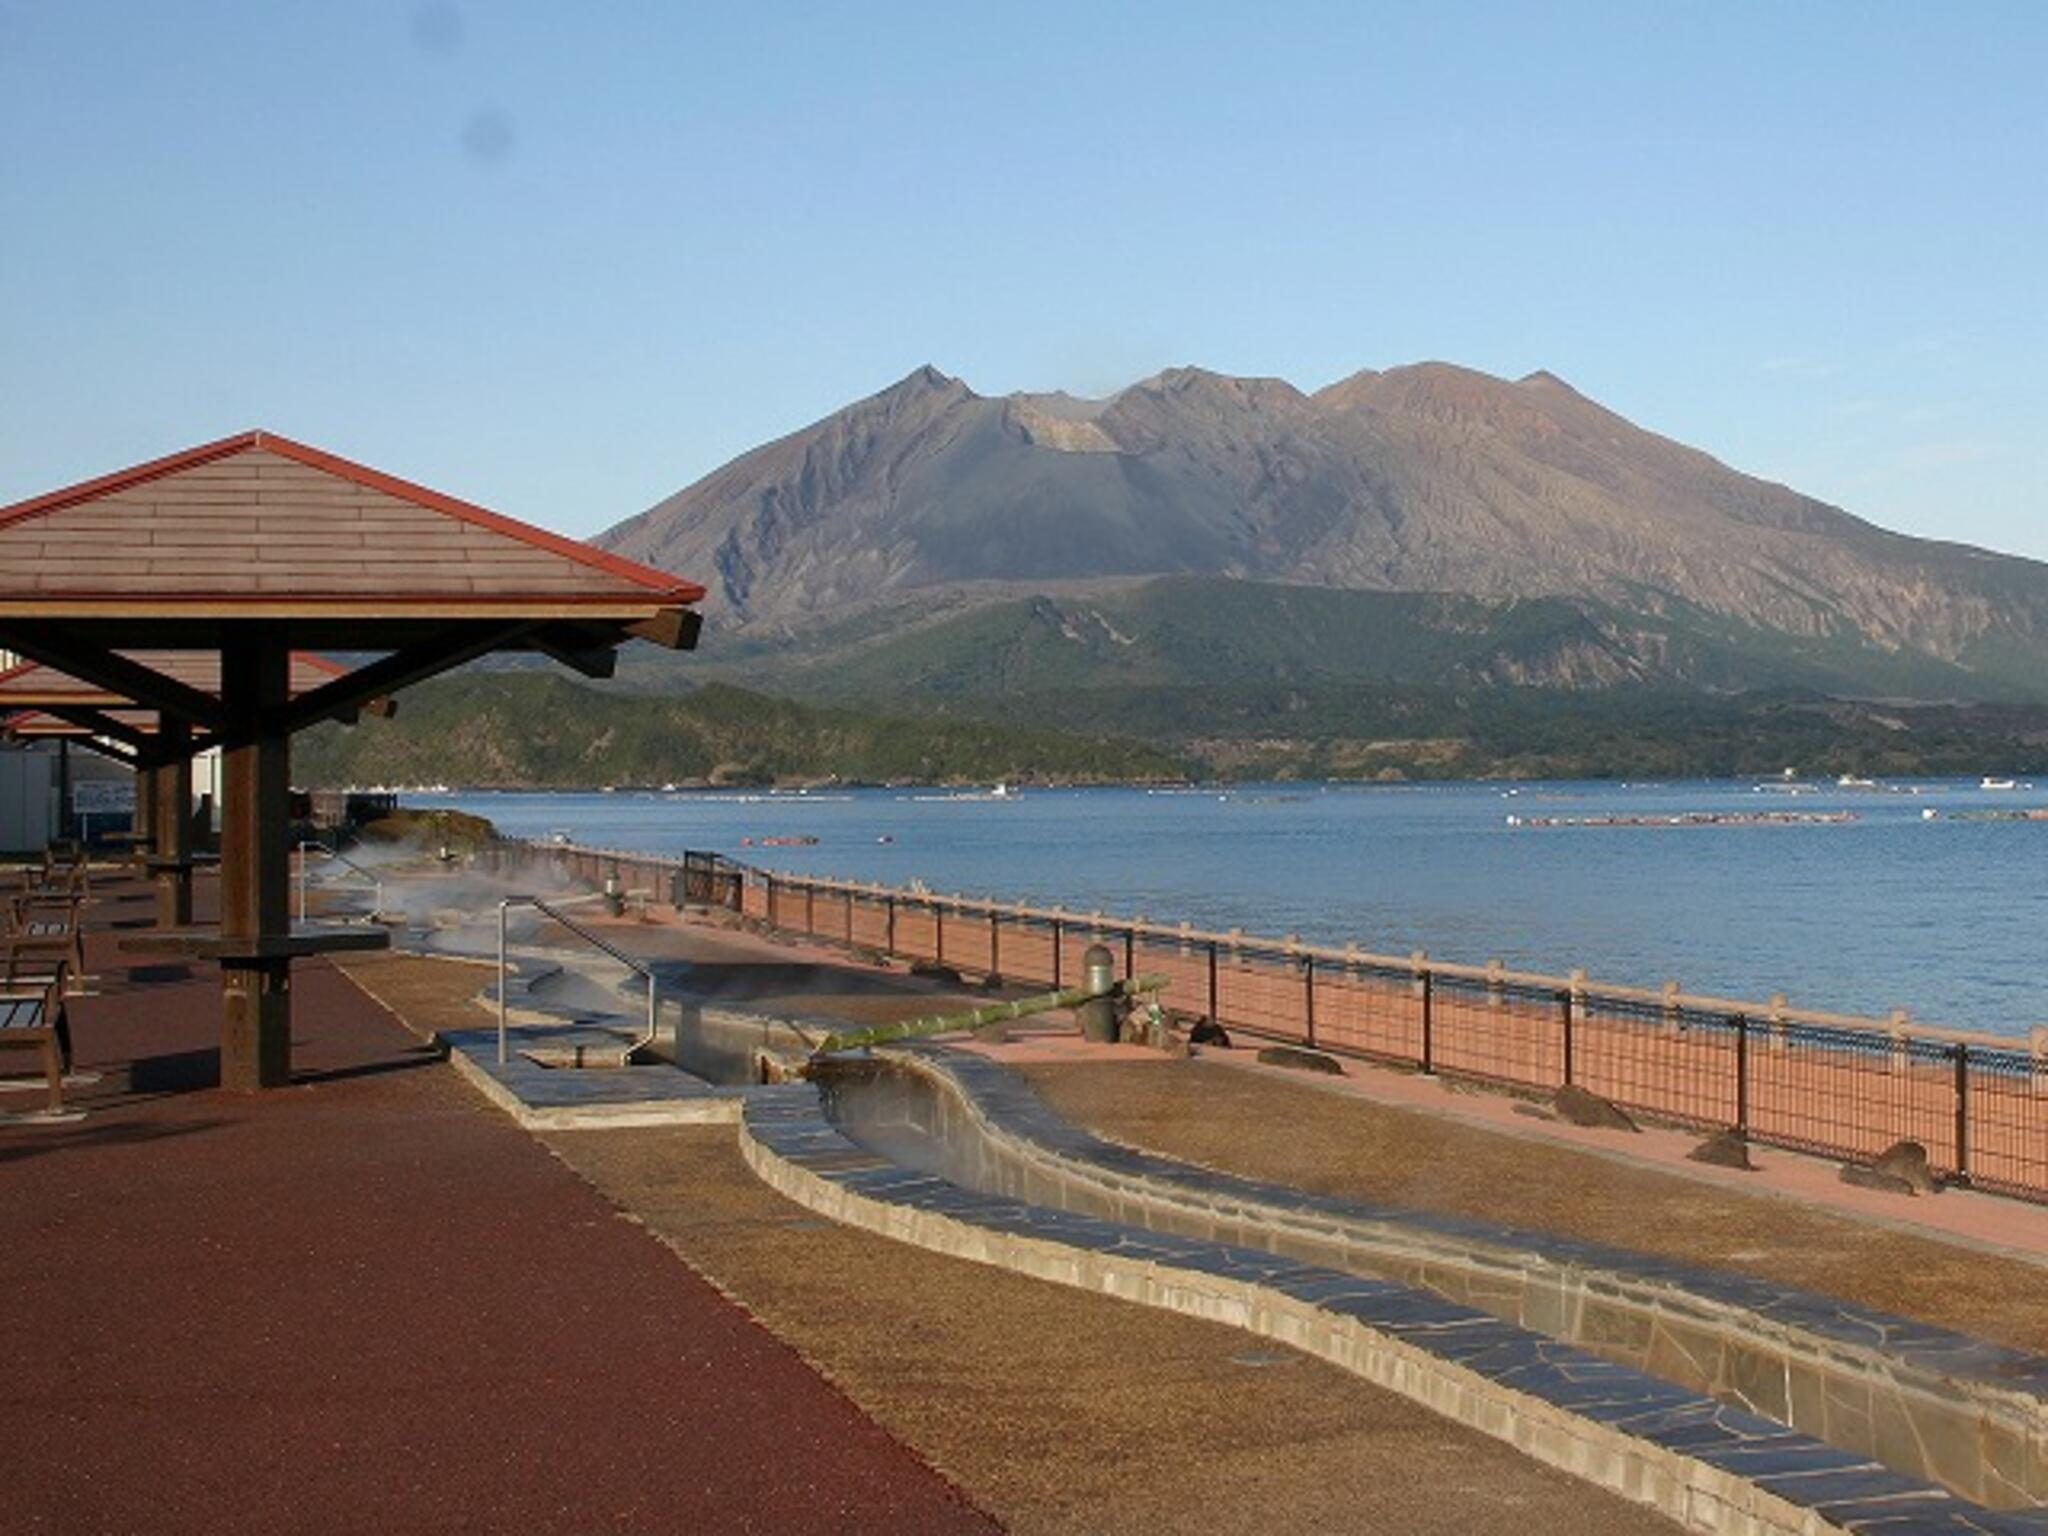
x,y
1288,1132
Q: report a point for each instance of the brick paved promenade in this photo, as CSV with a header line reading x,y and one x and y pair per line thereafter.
x,y
369,1303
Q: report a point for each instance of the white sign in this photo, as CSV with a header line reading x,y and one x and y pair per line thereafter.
x,y
103,797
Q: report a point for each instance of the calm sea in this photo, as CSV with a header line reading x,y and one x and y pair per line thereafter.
x,y
1945,916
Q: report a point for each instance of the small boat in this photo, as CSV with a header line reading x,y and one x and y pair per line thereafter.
x,y
1000,792
1998,784
1850,781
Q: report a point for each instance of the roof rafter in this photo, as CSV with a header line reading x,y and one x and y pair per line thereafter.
x,y
68,652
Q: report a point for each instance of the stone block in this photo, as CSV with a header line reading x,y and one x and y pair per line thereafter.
x,y
1300,1060
1580,1107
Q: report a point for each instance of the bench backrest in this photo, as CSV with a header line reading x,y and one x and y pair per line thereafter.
x,y
31,962
45,907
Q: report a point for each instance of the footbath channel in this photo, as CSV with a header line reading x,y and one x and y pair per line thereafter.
x,y
1859,1419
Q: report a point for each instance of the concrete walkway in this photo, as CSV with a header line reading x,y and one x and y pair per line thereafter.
x,y
369,1303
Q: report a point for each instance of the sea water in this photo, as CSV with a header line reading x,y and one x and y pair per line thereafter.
x,y
1945,915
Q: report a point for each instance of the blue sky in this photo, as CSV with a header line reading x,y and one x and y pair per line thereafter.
x,y
564,258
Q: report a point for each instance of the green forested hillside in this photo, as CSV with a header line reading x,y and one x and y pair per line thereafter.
x,y
540,729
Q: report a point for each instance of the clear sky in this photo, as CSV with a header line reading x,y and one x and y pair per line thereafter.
x,y
563,258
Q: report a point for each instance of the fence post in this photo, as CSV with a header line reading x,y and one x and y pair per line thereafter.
x,y
1564,1007
771,901
995,939
1428,1022
1212,983
938,932
810,908
1308,994
1741,1022
889,925
1058,943
1130,953
1962,1112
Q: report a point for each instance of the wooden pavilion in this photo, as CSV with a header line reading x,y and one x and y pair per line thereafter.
x,y
249,549
159,747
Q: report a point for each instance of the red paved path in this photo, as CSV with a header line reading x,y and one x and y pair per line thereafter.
x,y
366,1303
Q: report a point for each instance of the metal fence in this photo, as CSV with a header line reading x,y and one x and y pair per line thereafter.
x,y
1829,1084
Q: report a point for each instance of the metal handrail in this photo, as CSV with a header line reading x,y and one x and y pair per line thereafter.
x,y
537,904
376,880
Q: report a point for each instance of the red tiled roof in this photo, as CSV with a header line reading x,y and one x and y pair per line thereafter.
x,y
30,682
259,519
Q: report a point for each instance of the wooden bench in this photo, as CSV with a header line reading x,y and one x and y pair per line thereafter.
x,y
49,922
32,1013
62,874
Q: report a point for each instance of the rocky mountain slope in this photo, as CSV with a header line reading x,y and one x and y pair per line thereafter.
x,y
1422,479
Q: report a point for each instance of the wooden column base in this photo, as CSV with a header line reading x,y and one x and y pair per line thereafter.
x,y
256,1034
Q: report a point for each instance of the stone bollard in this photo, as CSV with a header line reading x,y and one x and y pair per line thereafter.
x,y
614,895
1098,1014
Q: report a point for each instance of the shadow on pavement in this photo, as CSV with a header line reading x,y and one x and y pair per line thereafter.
x,y
89,1134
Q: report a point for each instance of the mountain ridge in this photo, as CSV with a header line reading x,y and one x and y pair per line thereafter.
x,y
1427,477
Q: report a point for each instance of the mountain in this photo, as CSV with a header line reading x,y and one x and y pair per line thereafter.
x,y
1084,649
929,498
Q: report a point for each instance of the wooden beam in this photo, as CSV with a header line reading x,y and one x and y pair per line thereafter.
x,y
101,724
598,661
113,751
675,629
68,651
399,670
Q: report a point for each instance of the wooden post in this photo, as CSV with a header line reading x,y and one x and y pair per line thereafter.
x,y
143,821
255,903
172,844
